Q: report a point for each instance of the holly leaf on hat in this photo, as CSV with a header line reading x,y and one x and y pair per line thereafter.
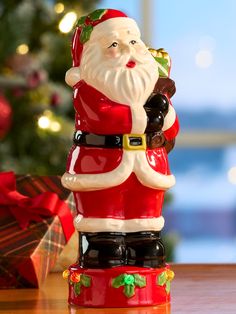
x,y
97,14
85,34
81,20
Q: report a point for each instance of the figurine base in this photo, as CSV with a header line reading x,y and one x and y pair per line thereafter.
x,y
123,286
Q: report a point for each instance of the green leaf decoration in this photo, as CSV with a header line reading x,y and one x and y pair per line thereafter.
x,y
81,20
97,14
129,279
139,281
118,281
162,278
77,288
168,286
85,281
85,34
129,290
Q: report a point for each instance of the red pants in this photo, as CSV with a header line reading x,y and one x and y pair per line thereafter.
x,y
126,201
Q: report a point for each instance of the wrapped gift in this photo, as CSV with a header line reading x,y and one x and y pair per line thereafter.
x,y
163,61
69,254
36,221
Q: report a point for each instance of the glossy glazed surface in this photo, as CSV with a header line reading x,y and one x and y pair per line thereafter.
x,y
101,293
119,189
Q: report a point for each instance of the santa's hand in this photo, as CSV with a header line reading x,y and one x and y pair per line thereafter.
x,y
158,102
155,119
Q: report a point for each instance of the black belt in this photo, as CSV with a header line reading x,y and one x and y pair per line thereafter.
x,y
126,141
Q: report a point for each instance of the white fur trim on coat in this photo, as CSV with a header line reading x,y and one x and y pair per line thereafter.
x,y
169,118
132,161
139,119
118,225
72,76
92,182
74,157
149,177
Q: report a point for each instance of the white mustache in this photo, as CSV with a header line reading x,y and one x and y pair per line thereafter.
x,y
111,76
124,59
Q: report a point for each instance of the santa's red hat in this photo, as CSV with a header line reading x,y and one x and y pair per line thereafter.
x,y
90,28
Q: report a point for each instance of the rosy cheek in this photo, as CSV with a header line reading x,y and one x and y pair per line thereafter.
x,y
112,53
140,49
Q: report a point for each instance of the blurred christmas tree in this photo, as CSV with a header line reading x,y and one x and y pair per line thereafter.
x,y
36,112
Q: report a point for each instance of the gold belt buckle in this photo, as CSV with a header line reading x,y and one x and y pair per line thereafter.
x,y
127,141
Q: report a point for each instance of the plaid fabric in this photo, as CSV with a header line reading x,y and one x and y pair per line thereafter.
x,y
26,256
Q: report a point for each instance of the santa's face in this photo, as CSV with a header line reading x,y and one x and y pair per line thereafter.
x,y
123,49
120,66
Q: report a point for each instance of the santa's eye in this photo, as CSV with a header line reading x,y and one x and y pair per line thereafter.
x,y
113,45
133,42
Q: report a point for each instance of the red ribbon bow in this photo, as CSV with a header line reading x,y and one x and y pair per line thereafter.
x,y
26,209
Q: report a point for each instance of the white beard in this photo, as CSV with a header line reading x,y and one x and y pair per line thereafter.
x,y
130,86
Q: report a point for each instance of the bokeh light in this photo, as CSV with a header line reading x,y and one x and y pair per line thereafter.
x,y
67,22
232,175
43,122
204,58
59,7
22,49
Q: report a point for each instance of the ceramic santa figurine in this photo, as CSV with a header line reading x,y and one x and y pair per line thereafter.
x,y
118,169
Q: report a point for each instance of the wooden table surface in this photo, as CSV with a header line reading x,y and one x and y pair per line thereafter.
x,y
196,289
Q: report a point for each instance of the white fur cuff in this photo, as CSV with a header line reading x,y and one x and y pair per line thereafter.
x,y
118,225
169,118
72,76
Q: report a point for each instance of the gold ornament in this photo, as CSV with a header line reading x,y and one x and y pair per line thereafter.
x,y
170,274
66,274
160,53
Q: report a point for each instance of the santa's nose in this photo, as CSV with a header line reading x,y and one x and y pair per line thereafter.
x,y
126,48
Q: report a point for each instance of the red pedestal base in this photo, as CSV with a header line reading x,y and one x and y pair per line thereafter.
x,y
124,286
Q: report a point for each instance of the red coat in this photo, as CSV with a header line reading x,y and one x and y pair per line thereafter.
x,y
107,173
97,114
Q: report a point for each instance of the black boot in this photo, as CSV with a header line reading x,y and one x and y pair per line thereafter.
x,y
145,249
105,250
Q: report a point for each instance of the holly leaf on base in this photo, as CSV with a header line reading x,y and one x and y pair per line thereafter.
x,y
85,281
118,281
162,278
139,281
77,288
129,290
168,287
